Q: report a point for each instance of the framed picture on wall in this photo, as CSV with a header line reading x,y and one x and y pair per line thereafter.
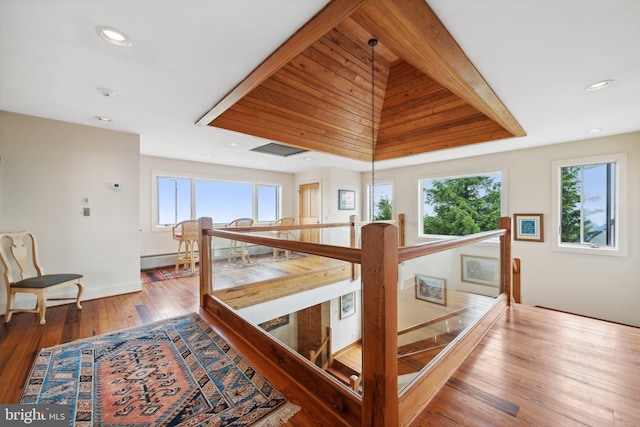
x,y
346,199
347,305
432,289
480,270
528,227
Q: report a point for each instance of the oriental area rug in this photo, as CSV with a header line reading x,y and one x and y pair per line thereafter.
x,y
176,372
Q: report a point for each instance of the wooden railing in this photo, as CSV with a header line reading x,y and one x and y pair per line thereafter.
x,y
325,345
381,404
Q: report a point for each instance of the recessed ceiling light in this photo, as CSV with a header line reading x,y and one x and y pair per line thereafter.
x,y
593,130
106,92
234,144
599,85
207,154
102,119
308,158
113,36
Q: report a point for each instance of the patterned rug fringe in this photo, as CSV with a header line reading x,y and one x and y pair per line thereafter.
x,y
279,417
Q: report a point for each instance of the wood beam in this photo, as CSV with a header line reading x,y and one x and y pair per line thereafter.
x,y
414,32
319,25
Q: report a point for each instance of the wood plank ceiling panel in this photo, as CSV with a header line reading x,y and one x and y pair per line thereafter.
x,y
315,91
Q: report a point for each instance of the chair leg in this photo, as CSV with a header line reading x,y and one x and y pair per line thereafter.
x,y
178,255
80,290
11,299
42,307
194,243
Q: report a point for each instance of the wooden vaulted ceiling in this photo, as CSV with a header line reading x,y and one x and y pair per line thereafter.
x,y
315,93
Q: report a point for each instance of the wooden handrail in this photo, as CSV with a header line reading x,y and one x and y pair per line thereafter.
x,y
410,252
433,321
329,251
326,344
380,257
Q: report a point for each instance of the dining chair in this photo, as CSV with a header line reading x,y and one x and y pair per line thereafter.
x,y
283,234
237,248
24,274
186,233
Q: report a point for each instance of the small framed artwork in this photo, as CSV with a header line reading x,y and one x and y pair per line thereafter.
x,y
347,305
432,289
480,270
346,199
272,324
528,227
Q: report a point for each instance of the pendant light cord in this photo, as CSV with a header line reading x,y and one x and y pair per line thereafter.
x,y
373,43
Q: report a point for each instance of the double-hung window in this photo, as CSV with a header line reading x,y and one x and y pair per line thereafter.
x,y
589,204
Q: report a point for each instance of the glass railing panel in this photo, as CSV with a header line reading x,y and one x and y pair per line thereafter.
x,y
439,297
309,303
322,324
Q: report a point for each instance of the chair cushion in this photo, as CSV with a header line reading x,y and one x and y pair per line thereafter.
x,y
45,281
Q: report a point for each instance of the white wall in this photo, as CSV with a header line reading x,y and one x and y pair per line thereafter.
x,y
331,180
47,167
154,242
604,287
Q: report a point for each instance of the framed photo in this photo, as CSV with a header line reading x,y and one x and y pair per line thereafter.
x,y
346,199
347,305
480,270
528,227
272,324
432,289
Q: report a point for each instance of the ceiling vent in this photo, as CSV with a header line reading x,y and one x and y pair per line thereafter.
x,y
278,149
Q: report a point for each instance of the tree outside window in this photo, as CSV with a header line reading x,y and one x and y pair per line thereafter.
x,y
383,202
588,204
461,206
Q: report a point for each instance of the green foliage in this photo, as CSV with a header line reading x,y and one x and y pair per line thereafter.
x,y
571,208
570,218
463,206
384,210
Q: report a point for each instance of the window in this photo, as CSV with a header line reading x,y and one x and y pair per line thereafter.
x,y
223,201
174,200
458,206
382,203
181,198
588,203
268,203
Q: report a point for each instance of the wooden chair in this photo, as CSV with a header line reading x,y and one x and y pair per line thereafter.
x,y
283,234
23,274
236,248
186,233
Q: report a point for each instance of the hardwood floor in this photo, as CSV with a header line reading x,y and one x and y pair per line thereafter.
x,y
535,367
545,368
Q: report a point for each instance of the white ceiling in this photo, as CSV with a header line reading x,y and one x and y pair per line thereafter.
x,y
537,55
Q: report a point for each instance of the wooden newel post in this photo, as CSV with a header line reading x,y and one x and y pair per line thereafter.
x,y
380,325
505,257
204,249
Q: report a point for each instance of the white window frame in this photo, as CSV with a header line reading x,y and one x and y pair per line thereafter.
x,y
466,174
170,174
367,214
621,242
